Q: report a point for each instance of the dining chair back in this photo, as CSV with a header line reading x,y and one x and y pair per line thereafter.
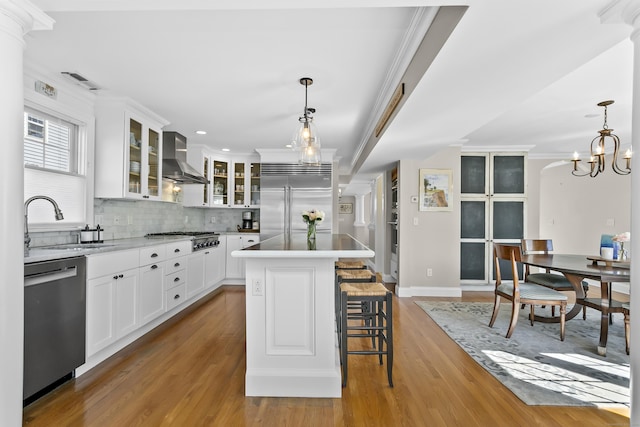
x,y
548,279
522,293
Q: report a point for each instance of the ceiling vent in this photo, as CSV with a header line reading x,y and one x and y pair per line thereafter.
x,y
80,80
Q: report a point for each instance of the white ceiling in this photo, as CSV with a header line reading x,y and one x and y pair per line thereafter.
x,y
513,72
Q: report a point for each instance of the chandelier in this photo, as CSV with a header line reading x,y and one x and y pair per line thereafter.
x,y
305,139
597,159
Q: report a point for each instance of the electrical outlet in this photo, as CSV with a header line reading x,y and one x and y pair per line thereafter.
x,y
130,219
257,290
116,220
213,220
415,221
186,219
429,272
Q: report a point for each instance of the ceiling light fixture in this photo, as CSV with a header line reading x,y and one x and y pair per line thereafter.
x,y
597,150
305,139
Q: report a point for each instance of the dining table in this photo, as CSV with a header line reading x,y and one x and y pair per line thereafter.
x,y
576,268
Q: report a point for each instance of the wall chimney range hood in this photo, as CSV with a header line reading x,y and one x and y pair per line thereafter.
x,y
174,160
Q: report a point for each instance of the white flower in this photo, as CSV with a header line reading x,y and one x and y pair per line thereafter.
x,y
312,216
622,237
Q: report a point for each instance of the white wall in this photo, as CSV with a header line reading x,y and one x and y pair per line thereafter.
x,y
575,211
435,242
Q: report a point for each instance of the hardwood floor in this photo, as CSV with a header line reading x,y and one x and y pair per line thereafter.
x,y
190,372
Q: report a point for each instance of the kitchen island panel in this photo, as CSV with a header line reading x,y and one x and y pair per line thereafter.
x,y
292,346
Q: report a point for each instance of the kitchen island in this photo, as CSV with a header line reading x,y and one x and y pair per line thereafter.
x,y
292,347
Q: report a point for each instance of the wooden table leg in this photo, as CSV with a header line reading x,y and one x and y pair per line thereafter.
x,y
604,318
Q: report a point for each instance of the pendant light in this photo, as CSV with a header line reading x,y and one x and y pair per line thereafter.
x,y
306,139
597,151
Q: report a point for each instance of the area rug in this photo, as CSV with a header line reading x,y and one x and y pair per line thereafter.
x,y
534,364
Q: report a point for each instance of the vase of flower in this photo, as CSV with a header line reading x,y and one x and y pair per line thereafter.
x,y
311,218
620,239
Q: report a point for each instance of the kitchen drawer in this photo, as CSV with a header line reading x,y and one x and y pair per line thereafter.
x,y
175,279
153,254
176,296
175,264
180,248
99,265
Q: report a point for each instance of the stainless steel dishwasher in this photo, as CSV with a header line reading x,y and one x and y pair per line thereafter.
x,y
54,323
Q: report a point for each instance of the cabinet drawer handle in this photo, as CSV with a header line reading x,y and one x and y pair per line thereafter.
x,y
115,277
154,255
176,250
206,253
177,296
177,279
145,197
177,264
120,276
153,267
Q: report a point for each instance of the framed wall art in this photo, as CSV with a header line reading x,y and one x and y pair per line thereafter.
x,y
345,208
436,190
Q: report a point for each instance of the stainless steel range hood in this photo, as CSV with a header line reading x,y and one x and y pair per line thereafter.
x,y
174,160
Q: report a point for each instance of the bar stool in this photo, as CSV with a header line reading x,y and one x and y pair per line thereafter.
x,y
351,276
377,323
350,265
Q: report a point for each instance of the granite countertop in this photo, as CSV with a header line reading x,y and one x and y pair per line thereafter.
x,y
297,246
47,253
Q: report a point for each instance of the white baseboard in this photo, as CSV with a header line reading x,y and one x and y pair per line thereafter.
x,y
428,291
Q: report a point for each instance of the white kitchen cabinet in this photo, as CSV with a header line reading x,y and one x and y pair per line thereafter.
x,y
128,150
195,277
234,182
236,266
151,297
245,183
214,264
112,297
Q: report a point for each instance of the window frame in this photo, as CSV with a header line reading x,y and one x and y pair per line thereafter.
x,y
82,116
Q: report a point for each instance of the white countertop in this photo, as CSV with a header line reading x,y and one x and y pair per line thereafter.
x,y
325,246
47,253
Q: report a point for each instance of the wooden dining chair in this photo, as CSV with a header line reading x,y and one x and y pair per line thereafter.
x,y
522,293
548,279
626,310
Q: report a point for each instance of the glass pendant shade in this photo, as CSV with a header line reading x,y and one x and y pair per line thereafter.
x,y
305,139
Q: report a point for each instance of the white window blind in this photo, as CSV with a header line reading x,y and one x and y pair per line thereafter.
x,y
52,168
49,142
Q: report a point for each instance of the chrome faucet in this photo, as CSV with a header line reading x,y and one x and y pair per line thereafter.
x,y
57,212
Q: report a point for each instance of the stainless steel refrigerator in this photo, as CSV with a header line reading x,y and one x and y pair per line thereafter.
x,y
286,190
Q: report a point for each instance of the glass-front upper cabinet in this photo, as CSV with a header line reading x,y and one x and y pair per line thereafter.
x,y
144,166
220,183
128,167
153,177
246,184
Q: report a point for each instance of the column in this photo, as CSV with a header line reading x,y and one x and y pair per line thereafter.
x,y
17,17
628,11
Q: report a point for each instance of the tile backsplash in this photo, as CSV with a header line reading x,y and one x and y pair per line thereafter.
x,y
123,219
